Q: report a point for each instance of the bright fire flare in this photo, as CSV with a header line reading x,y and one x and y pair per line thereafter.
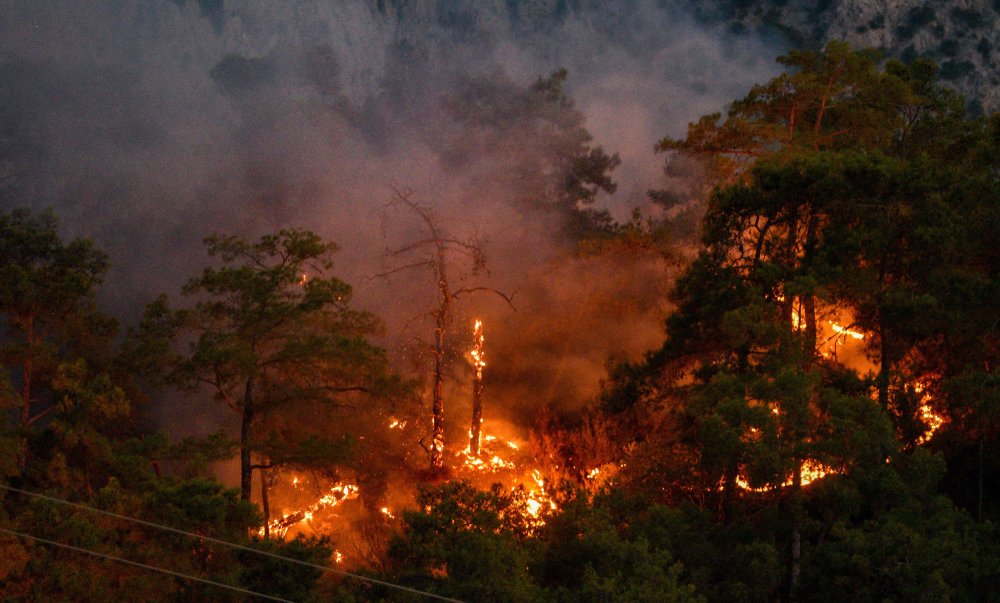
x,y
478,352
839,330
931,420
812,470
537,497
494,463
337,494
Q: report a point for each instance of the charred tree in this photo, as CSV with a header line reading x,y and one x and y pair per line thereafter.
x,y
436,253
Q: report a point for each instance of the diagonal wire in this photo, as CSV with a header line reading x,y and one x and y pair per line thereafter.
x,y
145,566
325,568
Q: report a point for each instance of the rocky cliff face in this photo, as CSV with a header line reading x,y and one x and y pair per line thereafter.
x,y
962,36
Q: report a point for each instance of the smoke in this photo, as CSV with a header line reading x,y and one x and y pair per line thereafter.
x,y
148,124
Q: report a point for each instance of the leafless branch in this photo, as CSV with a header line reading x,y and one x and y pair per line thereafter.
x,y
343,390
48,411
507,298
405,267
453,244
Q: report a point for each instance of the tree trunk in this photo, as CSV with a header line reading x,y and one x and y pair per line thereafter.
x,y
441,317
794,561
979,500
477,414
479,363
437,409
26,376
265,502
246,467
884,365
809,309
808,299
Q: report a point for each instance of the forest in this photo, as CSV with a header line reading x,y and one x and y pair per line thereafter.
x,y
818,420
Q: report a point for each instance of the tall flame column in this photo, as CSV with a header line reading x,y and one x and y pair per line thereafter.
x,y
479,362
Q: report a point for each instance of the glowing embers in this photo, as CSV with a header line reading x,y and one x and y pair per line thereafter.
x,y
489,458
337,494
931,420
495,464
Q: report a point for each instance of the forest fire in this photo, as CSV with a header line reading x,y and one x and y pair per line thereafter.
x,y
304,416
482,456
840,336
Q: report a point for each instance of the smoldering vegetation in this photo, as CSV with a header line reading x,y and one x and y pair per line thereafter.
x,y
148,124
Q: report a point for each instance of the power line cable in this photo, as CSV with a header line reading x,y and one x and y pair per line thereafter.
x,y
325,568
145,566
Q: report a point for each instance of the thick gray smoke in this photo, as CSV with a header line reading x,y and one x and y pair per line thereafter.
x,y
148,124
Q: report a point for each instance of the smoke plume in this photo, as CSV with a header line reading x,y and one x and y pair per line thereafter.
x,y
149,124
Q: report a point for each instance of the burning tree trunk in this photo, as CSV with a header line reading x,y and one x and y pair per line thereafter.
x,y
437,405
479,362
265,501
434,253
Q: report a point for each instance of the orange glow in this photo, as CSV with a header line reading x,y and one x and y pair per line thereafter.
x,y
812,470
478,352
485,461
931,420
839,330
335,495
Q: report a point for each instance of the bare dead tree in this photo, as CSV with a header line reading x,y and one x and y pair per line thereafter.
x,y
433,253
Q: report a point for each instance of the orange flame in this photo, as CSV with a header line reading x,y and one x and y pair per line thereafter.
x,y
812,470
337,494
931,420
478,352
